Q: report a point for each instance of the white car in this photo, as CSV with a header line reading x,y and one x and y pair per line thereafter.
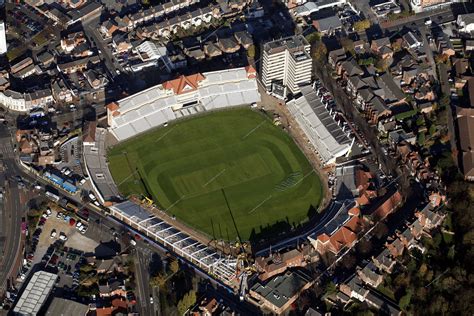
x,y
48,212
83,229
83,180
92,197
62,236
67,172
53,233
78,225
96,203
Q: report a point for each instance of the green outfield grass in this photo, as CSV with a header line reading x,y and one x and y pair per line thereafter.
x,y
185,166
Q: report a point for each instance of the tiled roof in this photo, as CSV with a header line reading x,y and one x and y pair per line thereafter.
x,y
184,84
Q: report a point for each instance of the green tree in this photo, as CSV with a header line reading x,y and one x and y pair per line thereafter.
x,y
360,26
405,300
432,130
174,266
421,139
86,268
251,51
331,288
158,280
382,65
186,302
313,37
319,51
348,45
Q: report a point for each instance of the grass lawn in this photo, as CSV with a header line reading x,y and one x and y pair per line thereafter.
x,y
187,167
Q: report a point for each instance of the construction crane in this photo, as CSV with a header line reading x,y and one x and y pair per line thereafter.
x,y
146,200
243,253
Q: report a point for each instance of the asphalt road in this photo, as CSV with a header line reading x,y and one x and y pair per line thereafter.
x,y
438,17
142,279
92,32
429,52
12,211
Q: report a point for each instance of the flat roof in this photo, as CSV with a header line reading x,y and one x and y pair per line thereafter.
x,y
36,293
292,43
282,288
61,306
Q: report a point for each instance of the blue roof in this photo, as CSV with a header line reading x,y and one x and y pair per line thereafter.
x,y
69,187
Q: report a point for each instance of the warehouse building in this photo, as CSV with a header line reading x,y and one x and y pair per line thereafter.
x,y
35,294
319,126
183,96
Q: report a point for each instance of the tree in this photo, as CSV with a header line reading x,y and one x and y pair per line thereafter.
x,y
319,51
380,230
348,261
397,46
382,64
158,280
366,61
364,246
421,139
405,300
174,266
251,51
423,269
362,25
348,45
313,37
331,288
441,58
186,302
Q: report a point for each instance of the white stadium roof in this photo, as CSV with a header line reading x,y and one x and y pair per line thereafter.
x,y
319,126
156,106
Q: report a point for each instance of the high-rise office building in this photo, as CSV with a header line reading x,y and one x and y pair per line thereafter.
x,y
286,64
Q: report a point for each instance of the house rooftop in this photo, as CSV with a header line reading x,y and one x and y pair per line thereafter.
x,y
61,306
282,288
